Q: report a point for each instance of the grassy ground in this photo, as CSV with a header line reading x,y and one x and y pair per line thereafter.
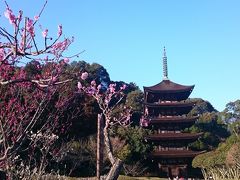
x,y
139,178
121,177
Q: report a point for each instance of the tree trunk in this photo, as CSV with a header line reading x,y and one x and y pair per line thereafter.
x,y
116,162
99,145
108,143
115,170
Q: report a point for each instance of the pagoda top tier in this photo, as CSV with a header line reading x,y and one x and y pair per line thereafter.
x,y
167,86
169,90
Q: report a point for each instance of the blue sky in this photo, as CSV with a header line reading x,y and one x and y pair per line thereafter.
x,y
127,37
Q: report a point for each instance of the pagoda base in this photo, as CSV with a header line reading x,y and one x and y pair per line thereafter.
x,y
172,171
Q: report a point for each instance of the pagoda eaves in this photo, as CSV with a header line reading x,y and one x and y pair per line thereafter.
x,y
175,154
168,86
174,136
173,119
170,104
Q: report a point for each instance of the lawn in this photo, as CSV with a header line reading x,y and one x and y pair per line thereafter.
x,y
139,178
121,177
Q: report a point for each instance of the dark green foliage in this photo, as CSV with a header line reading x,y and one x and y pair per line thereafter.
x,y
134,101
85,123
231,116
201,107
213,132
77,158
32,68
226,155
216,157
210,124
232,111
134,137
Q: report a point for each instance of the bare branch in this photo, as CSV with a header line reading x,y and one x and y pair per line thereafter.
x,y
40,83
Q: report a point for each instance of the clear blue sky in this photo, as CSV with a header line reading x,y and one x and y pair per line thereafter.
x,y
127,37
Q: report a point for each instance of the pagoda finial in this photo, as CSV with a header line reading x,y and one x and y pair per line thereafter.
x,y
165,70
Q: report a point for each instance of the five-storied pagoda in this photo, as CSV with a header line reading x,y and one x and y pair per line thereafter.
x,y
166,108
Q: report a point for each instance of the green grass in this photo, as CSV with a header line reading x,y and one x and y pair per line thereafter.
x,y
121,177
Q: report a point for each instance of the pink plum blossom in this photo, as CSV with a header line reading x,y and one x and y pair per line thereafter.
x,y
1,54
46,58
20,15
10,16
84,76
45,33
60,46
54,78
59,30
112,88
99,87
66,60
36,17
16,47
30,27
144,122
123,87
93,83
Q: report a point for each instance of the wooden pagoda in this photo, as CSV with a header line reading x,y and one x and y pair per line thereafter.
x,y
166,108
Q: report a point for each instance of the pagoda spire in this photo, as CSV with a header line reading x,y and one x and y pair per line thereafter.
x,y
165,69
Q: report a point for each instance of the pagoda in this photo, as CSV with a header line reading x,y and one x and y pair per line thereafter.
x,y
166,108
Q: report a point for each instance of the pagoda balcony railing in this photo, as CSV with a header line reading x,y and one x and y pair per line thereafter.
x,y
175,153
166,101
161,148
173,136
171,119
184,116
170,104
168,116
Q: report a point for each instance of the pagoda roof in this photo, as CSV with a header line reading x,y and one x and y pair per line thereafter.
x,y
171,104
173,136
168,86
172,119
175,154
